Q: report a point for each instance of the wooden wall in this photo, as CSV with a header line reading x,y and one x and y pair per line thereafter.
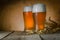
x,y
12,13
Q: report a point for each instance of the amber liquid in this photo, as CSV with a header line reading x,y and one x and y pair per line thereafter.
x,y
28,21
40,19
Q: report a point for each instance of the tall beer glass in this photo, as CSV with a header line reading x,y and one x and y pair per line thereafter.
x,y
28,19
39,12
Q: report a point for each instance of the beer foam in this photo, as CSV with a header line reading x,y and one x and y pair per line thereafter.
x,y
39,8
27,8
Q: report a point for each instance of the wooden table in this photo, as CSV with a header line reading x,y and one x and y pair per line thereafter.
x,y
22,36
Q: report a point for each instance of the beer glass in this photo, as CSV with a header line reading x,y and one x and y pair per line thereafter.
x,y
28,19
39,11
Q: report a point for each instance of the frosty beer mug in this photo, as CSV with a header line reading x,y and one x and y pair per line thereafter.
x,y
28,19
39,12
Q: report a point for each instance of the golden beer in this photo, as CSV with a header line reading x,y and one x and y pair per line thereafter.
x,y
28,19
40,18
39,12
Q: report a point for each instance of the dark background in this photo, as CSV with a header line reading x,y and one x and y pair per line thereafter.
x,y
11,12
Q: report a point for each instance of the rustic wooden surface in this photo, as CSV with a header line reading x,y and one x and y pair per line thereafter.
x,y
3,34
22,36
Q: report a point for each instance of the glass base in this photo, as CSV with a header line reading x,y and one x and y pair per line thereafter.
x,y
40,32
29,32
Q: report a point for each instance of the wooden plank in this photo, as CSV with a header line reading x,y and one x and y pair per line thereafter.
x,y
3,34
22,36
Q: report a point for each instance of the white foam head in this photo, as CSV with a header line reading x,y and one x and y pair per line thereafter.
x,y
27,8
39,8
